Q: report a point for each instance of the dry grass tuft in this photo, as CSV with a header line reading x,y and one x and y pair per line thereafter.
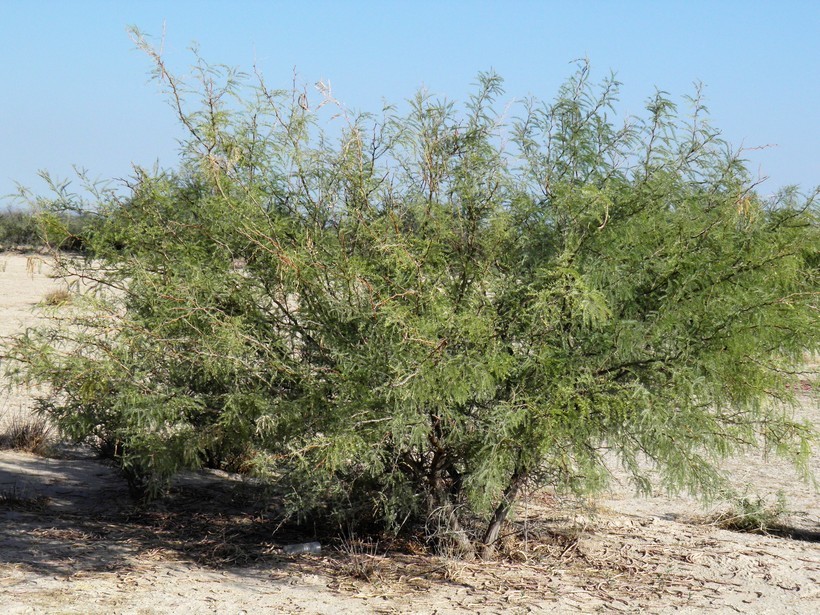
x,y
360,560
754,515
60,296
30,434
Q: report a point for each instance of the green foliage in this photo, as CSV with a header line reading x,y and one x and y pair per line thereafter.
x,y
52,229
18,228
412,316
753,514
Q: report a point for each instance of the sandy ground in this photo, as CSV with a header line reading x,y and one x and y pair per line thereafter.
x,y
24,282
71,542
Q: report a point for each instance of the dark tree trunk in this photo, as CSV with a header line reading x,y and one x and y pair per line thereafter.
x,y
501,512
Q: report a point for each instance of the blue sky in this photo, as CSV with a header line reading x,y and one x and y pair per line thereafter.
x,y
75,90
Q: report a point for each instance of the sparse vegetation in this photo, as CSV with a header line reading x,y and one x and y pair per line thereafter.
x,y
438,309
29,434
18,228
57,297
17,498
754,514
33,229
359,559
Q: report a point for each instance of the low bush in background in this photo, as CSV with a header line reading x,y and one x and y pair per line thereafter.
x,y
25,229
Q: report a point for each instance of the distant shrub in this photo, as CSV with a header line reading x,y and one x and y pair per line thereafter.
x,y
66,231
18,228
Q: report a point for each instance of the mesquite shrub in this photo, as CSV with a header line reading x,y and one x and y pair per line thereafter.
x,y
409,318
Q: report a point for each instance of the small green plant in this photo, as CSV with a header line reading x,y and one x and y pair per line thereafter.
x,y
60,296
753,514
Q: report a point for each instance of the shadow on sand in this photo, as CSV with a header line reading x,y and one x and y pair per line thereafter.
x,y
63,516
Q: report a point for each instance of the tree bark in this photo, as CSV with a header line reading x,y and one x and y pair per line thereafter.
x,y
501,512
